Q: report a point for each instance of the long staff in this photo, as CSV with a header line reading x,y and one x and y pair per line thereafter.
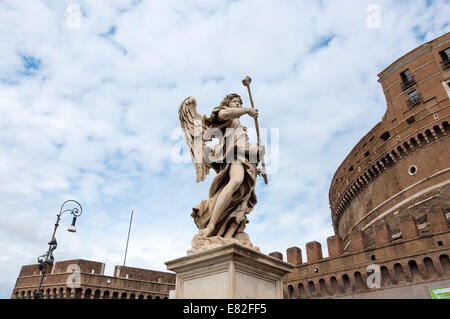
x,y
246,83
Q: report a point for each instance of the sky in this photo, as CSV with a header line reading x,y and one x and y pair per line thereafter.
x,y
89,94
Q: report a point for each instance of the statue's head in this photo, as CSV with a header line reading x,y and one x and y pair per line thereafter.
x,y
232,100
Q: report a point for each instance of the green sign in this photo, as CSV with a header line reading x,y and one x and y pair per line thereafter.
x,y
440,293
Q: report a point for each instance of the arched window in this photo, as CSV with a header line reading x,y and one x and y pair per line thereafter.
x,y
445,263
406,147
323,286
97,294
438,131
414,269
446,127
123,296
398,274
385,277
429,135
78,292
312,288
414,142
115,295
106,294
334,285
359,283
346,283
88,294
301,291
430,271
290,292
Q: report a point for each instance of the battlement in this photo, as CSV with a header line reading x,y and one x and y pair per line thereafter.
x,y
85,266
404,258
143,274
60,281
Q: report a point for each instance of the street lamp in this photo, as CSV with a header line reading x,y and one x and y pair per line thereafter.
x,y
47,258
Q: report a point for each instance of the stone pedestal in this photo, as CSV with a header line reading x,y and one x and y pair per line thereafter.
x,y
229,272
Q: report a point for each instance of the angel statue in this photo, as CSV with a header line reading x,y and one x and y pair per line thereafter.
x,y
221,219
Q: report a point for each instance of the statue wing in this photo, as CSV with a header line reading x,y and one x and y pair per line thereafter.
x,y
193,125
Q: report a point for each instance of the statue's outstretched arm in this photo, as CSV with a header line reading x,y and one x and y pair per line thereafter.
x,y
232,113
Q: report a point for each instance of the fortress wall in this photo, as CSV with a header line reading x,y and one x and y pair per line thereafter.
x,y
404,156
411,259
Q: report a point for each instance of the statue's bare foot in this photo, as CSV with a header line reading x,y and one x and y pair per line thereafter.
x,y
206,231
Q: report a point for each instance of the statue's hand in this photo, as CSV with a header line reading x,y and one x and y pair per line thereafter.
x,y
262,150
253,113
260,171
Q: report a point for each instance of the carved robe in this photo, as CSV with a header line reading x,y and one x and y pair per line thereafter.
x,y
233,147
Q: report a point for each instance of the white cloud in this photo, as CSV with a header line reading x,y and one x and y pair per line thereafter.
x,y
88,114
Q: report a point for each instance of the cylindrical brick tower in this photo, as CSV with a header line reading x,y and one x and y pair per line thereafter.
x,y
404,161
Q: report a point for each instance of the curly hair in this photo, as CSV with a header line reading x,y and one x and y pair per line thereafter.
x,y
227,99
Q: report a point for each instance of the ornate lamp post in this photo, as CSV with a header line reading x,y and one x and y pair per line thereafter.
x,y
47,258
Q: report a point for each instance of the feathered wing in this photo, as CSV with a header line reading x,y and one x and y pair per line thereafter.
x,y
193,124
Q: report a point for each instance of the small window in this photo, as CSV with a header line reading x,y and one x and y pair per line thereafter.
x,y
440,243
410,120
445,55
350,169
366,154
414,98
385,136
126,276
412,170
406,76
407,79
372,257
413,95
316,270
92,271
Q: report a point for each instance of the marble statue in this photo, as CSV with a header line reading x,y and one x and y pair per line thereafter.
x,y
221,219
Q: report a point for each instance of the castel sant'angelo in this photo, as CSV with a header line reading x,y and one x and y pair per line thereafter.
x,y
389,199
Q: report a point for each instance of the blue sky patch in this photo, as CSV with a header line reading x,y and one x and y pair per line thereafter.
x,y
322,43
31,65
111,31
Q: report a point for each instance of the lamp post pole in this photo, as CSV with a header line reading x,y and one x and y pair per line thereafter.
x,y
47,258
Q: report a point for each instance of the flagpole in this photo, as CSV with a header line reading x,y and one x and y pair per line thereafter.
x,y
128,238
